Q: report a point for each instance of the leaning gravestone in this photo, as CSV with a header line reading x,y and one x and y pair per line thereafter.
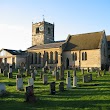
x,y
30,82
61,86
2,88
45,79
19,84
29,95
52,88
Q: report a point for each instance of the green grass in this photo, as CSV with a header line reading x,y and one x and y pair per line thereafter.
x,y
85,97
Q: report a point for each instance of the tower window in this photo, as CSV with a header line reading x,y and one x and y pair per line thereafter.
x,y
49,30
37,30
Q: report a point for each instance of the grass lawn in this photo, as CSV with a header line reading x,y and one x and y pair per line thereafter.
x,y
85,97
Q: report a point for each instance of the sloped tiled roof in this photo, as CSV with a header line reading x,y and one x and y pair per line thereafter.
x,y
84,41
47,46
15,52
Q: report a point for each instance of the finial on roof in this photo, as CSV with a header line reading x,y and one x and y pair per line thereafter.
x,y
43,18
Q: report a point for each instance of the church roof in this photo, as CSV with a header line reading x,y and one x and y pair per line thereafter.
x,y
14,52
47,46
85,41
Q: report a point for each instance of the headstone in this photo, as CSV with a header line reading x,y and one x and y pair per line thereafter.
x,y
19,84
87,78
75,81
5,73
18,76
74,72
88,70
30,94
54,73
2,88
41,74
30,82
27,72
104,72
52,88
45,79
10,75
61,72
44,70
57,76
68,81
98,74
33,76
82,71
35,71
10,69
68,74
61,86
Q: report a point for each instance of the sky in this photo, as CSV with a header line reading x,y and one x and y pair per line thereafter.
x,y
69,16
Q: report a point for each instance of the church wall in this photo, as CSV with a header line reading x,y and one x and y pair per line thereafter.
x,y
93,58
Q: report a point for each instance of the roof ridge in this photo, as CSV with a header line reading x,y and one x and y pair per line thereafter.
x,y
87,33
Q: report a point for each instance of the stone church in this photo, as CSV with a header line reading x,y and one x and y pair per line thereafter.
x,y
79,51
88,50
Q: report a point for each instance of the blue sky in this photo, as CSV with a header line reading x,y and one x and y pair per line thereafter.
x,y
69,17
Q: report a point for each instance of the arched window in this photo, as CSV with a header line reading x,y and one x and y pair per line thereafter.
x,y
39,58
37,30
82,55
85,55
51,57
56,57
73,56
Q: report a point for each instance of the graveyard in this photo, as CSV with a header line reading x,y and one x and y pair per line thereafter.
x,y
79,90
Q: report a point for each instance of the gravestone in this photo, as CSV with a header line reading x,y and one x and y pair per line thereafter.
x,y
41,74
10,69
68,73
74,72
45,79
18,76
33,76
19,84
74,81
61,71
82,71
35,71
61,86
88,70
10,75
2,88
29,95
98,73
27,72
68,81
5,73
30,82
87,78
44,70
54,73
104,72
52,88
57,76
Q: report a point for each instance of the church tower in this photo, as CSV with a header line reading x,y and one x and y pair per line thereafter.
x,y
42,33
